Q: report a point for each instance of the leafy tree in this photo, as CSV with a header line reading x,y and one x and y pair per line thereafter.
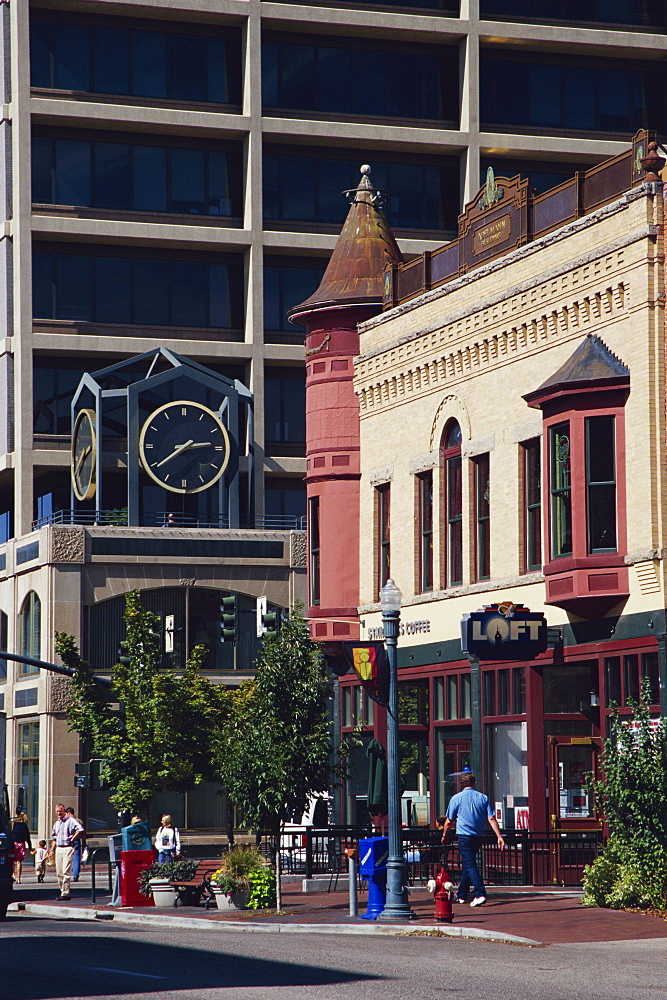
x,y
159,739
274,751
632,794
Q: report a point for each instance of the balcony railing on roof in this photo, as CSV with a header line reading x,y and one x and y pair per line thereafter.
x,y
155,519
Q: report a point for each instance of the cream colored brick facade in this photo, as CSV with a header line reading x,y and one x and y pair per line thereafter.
x,y
470,350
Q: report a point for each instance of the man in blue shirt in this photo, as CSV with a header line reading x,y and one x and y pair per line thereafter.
x,y
469,810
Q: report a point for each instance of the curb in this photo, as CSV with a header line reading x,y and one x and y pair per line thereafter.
x,y
198,923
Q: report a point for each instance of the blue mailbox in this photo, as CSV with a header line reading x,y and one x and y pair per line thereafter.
x,y
373,854
136,837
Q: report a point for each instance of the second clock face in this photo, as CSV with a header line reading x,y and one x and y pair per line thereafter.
x,y
184,447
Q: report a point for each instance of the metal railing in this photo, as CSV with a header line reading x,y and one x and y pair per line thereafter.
x,y
154,519
529,858
92,861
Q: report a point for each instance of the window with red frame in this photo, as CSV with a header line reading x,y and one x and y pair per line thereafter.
x,y
532,504
453,505
481,486
425,527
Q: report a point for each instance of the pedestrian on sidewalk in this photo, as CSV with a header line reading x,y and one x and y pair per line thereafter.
x,y
41,855
66,831
469,810
167,841
22,842
78,847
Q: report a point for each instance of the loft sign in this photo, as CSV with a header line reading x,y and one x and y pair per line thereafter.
x,y
504,631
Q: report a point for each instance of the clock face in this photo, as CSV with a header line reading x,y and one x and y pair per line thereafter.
x,y
84,455
184,447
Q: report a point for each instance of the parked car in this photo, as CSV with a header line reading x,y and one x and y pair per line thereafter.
x,y
6,864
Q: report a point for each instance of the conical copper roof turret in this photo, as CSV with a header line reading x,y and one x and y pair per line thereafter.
x,y
366,244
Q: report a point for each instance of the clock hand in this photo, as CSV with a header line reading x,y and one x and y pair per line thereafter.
x,y
82,457
177,451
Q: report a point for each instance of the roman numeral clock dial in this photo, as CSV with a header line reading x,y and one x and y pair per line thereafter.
x,y
184,447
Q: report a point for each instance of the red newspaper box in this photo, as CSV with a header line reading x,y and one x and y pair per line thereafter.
x,y
132,864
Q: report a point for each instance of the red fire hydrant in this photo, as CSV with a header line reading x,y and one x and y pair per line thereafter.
x,y
442,891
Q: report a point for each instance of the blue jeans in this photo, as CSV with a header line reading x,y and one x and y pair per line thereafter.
x,y
468,848
76,861
166,857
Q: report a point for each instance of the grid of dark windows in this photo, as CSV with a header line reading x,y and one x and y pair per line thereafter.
x,y
482,487
306,189
453,506
141,291
541,176
284,502
314,544
607,12
425,523
285,409
561,490
601,483
383,501
532,504
286,286
576,95
180,66
624,676
142,178
373,82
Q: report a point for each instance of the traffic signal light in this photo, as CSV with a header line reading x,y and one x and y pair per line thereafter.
x,y
271,622
82,775
229,621
123,654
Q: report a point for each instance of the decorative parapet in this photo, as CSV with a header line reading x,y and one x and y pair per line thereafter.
x,y
68,544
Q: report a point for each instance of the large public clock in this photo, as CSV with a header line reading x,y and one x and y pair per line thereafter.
x,y
84,455
184,447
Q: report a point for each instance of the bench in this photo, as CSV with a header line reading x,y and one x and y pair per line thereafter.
x,y
198,888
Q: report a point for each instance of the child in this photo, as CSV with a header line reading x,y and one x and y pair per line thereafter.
x,y
167,841
40,860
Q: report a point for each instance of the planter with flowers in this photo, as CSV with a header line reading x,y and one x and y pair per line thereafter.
x,y
244,880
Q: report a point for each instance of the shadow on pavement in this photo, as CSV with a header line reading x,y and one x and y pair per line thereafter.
x,y
89,966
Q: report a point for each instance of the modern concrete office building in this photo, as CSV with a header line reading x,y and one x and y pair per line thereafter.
x,y
171,173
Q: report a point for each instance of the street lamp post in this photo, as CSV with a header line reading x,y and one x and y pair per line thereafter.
x,y
396,906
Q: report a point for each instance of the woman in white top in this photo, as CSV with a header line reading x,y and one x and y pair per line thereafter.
x,y
167,841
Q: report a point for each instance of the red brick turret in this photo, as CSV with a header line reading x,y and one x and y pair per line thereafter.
x,y
350,292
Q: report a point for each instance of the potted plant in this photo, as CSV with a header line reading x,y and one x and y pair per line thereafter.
x,y
156,880
244,879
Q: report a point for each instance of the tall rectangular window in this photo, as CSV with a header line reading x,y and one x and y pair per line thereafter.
x,y
601,484
383,498
561,490
28,768
314,539
482,520
425,525
532,504
454,504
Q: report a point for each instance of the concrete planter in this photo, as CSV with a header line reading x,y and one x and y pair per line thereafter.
x,y
163,893
236,901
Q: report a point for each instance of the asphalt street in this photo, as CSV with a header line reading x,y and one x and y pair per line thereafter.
x,y
48,960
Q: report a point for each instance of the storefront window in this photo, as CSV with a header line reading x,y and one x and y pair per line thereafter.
x,y
413,703
28,776
567,688
507,764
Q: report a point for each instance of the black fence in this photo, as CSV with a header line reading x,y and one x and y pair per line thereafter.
x,y
551,858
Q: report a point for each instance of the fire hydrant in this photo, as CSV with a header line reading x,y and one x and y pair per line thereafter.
x,y
442,890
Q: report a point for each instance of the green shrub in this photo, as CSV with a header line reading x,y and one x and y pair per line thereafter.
x,y
627,875
244,868
262,888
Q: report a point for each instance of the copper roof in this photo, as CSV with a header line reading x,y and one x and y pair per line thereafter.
x,y
366,244
592,363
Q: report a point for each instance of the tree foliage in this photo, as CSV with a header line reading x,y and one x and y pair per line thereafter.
x,y
159,737
633,797
274,751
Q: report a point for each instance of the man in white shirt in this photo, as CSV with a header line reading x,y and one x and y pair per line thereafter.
x,y
66,831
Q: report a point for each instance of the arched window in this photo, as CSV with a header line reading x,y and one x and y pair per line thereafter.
x,y
30,623
453,505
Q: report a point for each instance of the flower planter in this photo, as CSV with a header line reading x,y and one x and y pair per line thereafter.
x,y
236,901
162,892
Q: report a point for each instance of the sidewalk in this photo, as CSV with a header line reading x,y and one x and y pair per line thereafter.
x,y
523,915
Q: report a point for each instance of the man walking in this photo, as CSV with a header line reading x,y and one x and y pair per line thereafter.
x,y
66,831
469,810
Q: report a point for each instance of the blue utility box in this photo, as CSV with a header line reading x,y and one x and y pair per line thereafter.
x,y
136,837
373,854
